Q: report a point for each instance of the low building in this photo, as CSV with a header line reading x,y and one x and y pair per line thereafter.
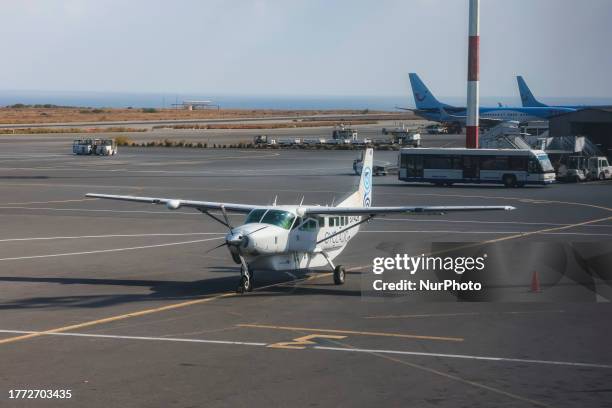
x,y
594,123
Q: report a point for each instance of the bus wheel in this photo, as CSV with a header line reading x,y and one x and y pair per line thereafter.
x,y
509,180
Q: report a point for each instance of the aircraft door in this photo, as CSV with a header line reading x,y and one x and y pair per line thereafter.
x,y
304,235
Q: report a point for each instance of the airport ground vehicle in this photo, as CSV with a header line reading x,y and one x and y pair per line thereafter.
x,y
314,141
290,237
403,136
290,142
378,169
82,146
105,147
436,129
100,147
263,139
573,168
342,134
445,166
599,168
583,168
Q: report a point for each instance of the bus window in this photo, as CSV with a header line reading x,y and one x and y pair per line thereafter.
x,y
437,162
413,164
518,163
471,167
456,163
501,163
487,163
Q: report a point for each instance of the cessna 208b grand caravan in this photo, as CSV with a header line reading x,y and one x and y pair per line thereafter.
x,y
290,237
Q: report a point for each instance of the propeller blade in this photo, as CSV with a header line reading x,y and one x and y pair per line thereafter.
x,y
258,229
217,247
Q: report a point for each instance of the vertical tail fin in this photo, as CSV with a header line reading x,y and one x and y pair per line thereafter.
x,y
363,196
527,98
365,183
423,98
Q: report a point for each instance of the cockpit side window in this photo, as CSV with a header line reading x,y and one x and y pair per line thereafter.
x,y
254,216
297,223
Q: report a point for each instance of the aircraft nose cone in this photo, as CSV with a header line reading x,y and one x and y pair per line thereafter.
x,y
236,238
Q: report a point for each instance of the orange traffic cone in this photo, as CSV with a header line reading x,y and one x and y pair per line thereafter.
x,y
535,283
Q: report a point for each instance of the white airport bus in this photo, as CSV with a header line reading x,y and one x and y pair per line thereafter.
x,y
445,166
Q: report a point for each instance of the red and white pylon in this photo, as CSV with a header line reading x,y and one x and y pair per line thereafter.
x,y
471,125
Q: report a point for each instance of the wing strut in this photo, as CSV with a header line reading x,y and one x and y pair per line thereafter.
x,y
204,211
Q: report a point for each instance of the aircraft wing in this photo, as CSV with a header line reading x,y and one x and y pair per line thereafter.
x,y
400,210
483,121
175,203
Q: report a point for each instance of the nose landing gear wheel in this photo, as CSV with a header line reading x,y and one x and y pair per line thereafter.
x,y
246,282
339,275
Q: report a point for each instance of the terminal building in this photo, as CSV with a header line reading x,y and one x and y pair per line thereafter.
x,y
594,123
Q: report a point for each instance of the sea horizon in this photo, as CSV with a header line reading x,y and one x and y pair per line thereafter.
x,y
95,99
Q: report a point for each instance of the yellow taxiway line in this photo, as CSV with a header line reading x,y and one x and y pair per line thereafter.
x,y
361,333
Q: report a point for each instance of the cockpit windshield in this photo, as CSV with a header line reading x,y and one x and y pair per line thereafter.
x,y
283,219
254,216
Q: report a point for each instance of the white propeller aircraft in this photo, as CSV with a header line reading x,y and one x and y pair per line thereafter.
x,y
290,237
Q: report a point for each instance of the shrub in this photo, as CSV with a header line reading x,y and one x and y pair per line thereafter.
x,y
149,110
122,140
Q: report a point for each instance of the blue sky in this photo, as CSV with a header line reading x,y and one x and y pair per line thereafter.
x,y
303,47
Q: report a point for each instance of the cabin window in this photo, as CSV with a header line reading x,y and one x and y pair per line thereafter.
x,y
309,225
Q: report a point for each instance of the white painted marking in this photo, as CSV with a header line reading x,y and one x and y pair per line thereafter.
x,y
486,222
112,336
49,202
112,236
484,232
346,349
428,315
465,356
18,258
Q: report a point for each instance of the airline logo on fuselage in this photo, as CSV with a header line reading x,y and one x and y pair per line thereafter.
x,y
367,186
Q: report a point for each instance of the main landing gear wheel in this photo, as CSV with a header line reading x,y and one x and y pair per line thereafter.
x,y
246,281
339,275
